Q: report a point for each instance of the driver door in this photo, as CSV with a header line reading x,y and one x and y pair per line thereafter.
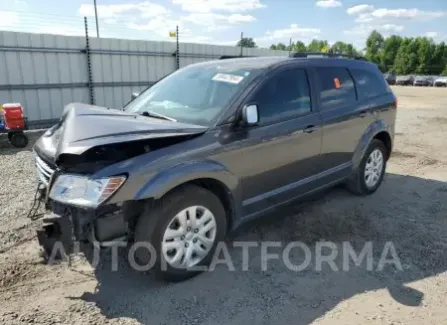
x,y
276,159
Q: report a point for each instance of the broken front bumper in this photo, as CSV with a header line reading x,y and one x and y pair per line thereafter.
x,y
56,236
65,227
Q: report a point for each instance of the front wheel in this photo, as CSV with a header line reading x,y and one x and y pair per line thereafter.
x,y
371,170
184,228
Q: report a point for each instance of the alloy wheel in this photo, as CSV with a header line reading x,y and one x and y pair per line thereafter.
x,y
373,168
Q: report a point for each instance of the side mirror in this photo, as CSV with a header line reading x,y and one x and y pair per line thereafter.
x,y
135,95
250,114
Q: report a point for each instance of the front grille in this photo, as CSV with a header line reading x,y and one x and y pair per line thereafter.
x,y
44,170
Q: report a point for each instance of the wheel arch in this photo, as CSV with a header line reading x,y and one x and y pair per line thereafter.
x,y
385,137
220,190
210,175
377,130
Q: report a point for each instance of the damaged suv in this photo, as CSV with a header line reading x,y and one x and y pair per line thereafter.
x,y
210,147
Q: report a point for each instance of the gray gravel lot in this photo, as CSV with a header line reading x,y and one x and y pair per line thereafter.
x,y
409,210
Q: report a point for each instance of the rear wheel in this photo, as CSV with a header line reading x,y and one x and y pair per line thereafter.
x,y
18,139
371,170
184,228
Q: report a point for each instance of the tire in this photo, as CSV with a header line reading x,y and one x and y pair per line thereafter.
x,y
18,139
155,220
358,184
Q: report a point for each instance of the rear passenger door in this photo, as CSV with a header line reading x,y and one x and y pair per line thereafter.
x,y
344,120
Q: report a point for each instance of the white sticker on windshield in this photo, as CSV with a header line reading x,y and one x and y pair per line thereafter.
x,y
230,78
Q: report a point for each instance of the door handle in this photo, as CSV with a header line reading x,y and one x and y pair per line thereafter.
x,y
309,128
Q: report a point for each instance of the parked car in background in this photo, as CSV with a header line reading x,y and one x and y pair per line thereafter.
x,y
421,81
440,82
404,80
390,78
431,80
236,139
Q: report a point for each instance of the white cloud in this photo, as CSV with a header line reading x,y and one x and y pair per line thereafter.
x,y
8,19
328,3
359,9
364,30
367,14
61,30
214,21
157,19
145,9
294,32
431,34
159,25
391,28
218,5
407,13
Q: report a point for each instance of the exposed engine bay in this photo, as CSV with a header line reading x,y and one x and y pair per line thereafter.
x,y
99,157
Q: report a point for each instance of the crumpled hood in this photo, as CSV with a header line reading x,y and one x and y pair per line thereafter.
x,y
83,126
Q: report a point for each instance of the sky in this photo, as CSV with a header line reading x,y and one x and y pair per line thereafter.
x,y
222,21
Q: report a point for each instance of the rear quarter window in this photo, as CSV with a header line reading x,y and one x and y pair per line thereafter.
x,y
336,87
369,84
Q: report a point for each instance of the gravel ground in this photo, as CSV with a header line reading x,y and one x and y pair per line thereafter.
x,y
409,210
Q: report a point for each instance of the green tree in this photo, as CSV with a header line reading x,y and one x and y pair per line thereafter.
x,y
444,72
279,47
412,53
344,48
426,49
391,46
247,42
339,47
439,59
317,46
400,65
299,47
374,47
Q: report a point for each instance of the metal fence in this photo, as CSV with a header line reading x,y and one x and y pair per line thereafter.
x,y
45,72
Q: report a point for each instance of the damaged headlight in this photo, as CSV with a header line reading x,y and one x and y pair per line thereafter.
x,y
82,191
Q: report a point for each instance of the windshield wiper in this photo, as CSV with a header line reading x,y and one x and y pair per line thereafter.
x,y
157,115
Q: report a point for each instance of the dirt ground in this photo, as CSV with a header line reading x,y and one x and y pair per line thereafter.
x,y
409,210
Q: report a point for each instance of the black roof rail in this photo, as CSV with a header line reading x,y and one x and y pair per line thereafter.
x,y
325,55
224,57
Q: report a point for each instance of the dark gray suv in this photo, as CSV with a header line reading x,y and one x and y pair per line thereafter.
x,y
210,147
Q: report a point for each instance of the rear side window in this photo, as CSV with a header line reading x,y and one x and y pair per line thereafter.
x,y
336,87
369,84
285,95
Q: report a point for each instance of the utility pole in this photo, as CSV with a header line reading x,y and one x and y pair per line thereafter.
x,y
242,39
290,45
96,18
178,48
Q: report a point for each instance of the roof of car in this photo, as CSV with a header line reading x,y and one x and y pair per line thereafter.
x,y
266,62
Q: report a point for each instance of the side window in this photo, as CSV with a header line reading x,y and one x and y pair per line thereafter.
x,y
336,87
285,95
369,84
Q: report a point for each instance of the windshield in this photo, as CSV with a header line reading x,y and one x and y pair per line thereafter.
x,y
197,94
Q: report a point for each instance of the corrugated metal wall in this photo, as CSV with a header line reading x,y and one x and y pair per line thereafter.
x,y
46,72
